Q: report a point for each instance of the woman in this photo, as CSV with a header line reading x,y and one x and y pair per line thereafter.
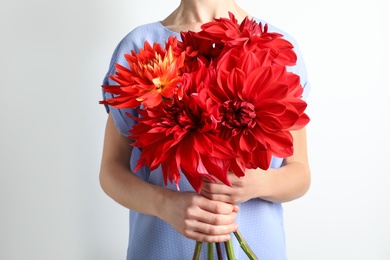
x,y
164,223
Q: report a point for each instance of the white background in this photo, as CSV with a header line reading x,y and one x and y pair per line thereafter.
x,y
53,57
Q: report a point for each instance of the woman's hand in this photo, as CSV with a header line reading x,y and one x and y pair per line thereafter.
x,y
199,218
243,188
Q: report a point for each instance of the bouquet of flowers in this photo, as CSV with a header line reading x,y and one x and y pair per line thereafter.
x,y
217,100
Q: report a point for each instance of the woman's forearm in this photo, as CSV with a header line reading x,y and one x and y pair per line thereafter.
x,y
130,191
284,184
292,180
116,179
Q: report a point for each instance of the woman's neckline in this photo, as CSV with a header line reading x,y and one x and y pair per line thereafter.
x,y
179,33
167,29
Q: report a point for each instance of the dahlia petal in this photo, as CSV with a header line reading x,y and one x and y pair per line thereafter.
x,y
121,102
229,60
289,119
275,90
213,146
170,170
247,142
112,89
237,168
283,152
279,141
260,159
194,179
298,104
189,156
271,106
213,170
259,135
257,81
218,93
244,157
150,99
300,123
189,165
248,62
270,124
235,80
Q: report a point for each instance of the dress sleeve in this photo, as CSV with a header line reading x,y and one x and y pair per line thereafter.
x,y
122,121
300,68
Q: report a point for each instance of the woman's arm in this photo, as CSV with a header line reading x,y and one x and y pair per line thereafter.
x,y
286,183
191,214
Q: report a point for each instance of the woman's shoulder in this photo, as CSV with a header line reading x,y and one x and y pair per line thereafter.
x,y
144,30
276,29
151,32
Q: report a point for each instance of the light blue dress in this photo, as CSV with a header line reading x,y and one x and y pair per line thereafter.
x,y
261,222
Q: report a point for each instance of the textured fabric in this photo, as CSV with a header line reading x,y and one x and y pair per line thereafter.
x,y
261,222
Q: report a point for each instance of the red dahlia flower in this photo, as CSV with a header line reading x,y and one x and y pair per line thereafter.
x,y
249,36
259,108
154,75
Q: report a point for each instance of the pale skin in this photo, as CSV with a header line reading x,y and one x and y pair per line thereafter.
x,y
209,216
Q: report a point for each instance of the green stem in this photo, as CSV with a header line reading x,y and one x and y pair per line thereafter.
x,y
210,251
244,245
198,247
229,250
